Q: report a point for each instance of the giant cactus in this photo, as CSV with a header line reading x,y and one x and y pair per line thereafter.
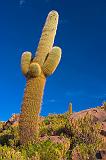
x,y
36,71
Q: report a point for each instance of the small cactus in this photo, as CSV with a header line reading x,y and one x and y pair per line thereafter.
x,y
36,71
104,104
70,108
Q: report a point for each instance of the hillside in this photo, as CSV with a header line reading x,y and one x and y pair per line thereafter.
x,y
76,136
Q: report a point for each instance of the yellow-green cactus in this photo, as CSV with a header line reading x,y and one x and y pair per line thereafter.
x,y
36,70
104,104
70,108
25,62
52,61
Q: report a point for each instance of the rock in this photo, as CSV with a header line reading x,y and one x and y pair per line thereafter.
x,y
14,121
99,115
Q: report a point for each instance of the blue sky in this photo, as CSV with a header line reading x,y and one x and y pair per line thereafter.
x,y
81,75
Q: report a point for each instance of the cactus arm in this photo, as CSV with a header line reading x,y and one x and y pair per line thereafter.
x,y
47,38
25,62
52,61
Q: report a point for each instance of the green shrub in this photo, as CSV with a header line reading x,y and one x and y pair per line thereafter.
x,y
1,125
82,136
10,137
7,153
86,139
44,150
54,125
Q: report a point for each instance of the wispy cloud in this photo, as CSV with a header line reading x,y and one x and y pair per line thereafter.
x,y
48,101
74,93
63,21
47,1
101,96
22,2
51,100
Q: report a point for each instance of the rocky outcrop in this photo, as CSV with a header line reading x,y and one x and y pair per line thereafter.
x,y
13,121
99,115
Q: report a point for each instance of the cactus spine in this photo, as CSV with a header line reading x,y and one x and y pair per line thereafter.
x,y
36,71
70,108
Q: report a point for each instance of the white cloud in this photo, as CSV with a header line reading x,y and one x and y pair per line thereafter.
x,y
51,100
48,101
21,2
100,97
63,21
47,1
74,93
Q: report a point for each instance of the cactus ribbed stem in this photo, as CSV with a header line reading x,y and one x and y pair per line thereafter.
x,y
70,108
104,104
47,38
36,71
30,109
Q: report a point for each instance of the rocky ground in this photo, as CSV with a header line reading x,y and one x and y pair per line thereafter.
x,y
98,114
